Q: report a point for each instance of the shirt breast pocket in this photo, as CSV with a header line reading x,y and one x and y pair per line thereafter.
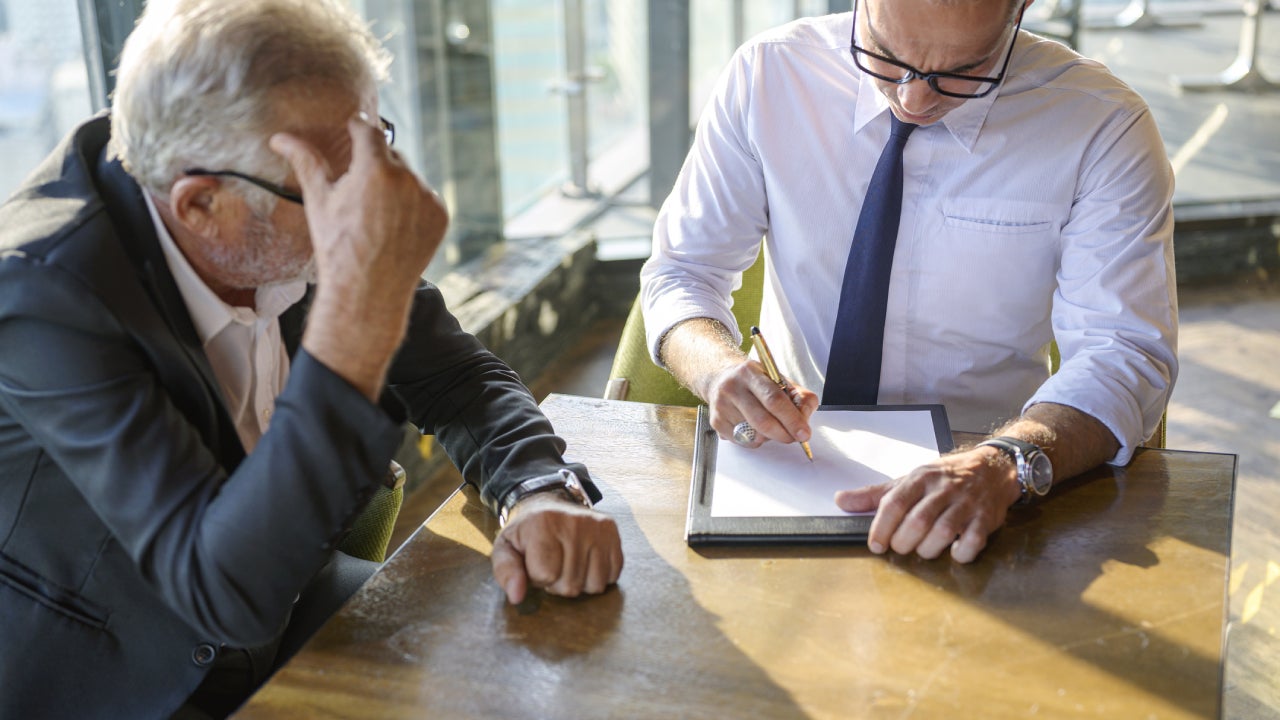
x,y
978,219
999,259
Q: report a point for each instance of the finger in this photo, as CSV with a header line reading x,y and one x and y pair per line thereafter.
x,y
894,506
616,558
971,542
606,561
543,561
864,499
572,572
367,140
767,425
725,416
784,419
734,397
508,569
805,399
727,410
597,571
943,533
919,521
309,166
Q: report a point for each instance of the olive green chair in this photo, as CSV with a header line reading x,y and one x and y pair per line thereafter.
x,y
371,531
634,376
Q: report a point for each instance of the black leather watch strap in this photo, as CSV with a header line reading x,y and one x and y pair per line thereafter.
x,y
1011,446
1024,455
565,481
1011,451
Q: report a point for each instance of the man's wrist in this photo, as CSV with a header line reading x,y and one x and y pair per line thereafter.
x,y
564,484
1000,462
358,351
698,350
556,495
1033,470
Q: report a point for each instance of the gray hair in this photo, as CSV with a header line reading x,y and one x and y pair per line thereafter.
x,y
196,81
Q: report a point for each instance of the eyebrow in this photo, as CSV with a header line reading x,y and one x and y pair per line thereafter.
x,y
959,69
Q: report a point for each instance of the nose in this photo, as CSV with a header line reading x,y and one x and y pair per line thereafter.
x,y
916,97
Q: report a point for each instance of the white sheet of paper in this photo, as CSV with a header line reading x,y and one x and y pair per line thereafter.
x,y
851,448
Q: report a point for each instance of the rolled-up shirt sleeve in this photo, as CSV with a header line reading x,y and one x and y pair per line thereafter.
x,y
1115,314
710,227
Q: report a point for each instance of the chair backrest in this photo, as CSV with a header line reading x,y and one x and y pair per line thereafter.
x,y
371,530
635,377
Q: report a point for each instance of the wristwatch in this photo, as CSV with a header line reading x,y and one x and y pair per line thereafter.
x,y
565,481
1035,471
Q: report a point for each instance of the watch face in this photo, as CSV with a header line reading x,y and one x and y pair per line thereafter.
x,y
1041,473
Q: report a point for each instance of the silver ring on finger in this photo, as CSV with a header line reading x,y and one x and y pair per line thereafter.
x,y
744,434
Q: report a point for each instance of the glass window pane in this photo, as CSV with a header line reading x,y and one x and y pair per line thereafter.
x,y
718,27
529,63
711,44
617,49
44,90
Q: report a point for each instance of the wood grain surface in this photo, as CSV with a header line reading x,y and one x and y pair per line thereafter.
x,y
1104,601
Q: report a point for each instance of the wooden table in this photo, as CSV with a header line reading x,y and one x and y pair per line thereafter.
x,y
1106,600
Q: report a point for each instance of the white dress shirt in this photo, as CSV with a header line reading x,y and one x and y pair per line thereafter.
x,y
243,345
1041,211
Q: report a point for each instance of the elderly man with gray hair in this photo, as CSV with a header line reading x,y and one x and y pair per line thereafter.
x,y
213,328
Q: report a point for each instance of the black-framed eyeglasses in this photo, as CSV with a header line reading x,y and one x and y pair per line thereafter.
x,y
950,84
388,132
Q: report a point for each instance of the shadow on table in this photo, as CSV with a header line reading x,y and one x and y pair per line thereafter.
x,y
435,630
1040,560
1037,571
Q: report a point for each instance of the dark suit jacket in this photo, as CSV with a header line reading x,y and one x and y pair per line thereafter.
x,y
135,534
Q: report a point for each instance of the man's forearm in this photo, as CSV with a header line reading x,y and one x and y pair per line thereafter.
x,y
697,350
356,336
1073,440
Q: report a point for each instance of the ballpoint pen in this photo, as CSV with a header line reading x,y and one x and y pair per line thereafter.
x,y
770,367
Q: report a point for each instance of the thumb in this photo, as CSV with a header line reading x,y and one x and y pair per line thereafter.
x,y
865,499
508,569
310,167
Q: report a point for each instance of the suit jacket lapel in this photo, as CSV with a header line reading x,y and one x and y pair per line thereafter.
x,y
293,322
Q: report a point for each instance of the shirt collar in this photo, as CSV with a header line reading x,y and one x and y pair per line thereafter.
x,y
209,313
964,123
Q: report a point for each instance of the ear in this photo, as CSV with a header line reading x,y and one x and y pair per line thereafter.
x,y
197,204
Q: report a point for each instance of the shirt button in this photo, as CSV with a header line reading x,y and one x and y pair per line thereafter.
x,y
204,654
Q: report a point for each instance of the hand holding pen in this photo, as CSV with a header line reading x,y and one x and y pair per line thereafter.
x,y
771,368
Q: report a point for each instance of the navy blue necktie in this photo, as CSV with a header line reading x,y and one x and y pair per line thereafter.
x,y
853,368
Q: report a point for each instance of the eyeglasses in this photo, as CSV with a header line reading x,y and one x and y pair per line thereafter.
x,y
950,84
388,132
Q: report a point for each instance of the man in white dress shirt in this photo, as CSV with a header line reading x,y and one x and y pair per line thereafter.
x,y
1036,208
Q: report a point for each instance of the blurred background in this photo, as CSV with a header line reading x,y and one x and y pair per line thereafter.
x,y
535,117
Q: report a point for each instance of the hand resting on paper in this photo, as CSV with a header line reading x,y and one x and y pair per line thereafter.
x,y
958,501
954,502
